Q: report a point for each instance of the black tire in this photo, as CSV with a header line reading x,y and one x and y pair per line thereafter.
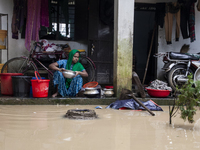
x,y
177,70
87,64
19,65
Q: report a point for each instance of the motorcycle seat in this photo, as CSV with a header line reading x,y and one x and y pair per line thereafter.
x,y
181,56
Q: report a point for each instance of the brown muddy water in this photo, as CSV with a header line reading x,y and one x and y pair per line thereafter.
x,y
41,127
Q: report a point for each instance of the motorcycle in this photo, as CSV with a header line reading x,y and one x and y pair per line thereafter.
x,y
178,66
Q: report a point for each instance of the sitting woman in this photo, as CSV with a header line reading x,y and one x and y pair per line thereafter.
x,y
65,86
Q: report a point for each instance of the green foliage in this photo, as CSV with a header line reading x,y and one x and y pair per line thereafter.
x,y
189,99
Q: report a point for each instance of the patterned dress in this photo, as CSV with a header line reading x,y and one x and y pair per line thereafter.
x,y
58,79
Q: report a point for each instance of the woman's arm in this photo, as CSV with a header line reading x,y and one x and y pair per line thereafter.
x,y
54,66
83,73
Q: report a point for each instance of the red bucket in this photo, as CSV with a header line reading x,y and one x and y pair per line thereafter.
x,y
40,87
6,82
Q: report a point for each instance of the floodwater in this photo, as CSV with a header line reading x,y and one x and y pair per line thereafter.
x,y
43,127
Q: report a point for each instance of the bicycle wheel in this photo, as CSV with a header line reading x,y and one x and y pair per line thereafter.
x,y
87,64
19,65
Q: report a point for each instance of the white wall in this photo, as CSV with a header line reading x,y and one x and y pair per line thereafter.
x,y
17,47
176,45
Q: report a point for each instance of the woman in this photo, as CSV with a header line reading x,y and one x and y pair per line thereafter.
x,y
64,86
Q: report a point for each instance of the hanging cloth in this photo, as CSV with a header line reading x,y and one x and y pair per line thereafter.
x,y
33,22
44,13
19,15
188,19
14,25
172,10
192,23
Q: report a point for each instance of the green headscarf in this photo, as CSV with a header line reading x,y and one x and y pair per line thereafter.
x,y
76,67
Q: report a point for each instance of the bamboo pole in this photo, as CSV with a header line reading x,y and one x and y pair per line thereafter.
x,y
149,54
133,96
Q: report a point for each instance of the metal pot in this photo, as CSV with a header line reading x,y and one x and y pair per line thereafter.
x,y
108,92
69,74
91,92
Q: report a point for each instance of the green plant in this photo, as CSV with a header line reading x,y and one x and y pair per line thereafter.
x,y
188,99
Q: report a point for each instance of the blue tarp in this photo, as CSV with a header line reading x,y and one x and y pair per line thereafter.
x,y
132,104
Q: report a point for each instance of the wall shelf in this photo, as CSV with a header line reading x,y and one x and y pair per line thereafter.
x,y
3,36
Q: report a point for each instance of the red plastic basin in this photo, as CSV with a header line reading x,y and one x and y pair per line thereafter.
x,y
109,87
158,93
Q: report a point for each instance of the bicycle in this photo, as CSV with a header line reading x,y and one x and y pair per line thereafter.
x,y
28,65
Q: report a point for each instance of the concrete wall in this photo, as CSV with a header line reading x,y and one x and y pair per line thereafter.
x,y
17,47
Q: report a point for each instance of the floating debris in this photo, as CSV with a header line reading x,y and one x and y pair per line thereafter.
x,y
98,107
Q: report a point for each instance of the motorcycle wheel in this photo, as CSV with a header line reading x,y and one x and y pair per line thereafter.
x,y
174,73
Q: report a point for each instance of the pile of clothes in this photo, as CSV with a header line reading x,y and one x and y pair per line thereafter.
x,y
48,47
159,85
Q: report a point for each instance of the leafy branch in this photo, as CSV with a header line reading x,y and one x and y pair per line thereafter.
x,y
189,99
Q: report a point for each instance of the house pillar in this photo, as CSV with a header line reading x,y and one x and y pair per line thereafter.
x,y
123,45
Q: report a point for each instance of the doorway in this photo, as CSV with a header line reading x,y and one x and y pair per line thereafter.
x,y
144,22
100,38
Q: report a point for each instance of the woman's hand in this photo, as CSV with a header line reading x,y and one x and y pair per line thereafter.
x,y
54,66
82,73
77,73
61,69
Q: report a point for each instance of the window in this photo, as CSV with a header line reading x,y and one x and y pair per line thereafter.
x,y
61,21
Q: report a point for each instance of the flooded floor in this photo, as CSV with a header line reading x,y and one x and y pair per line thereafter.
x,y
41,127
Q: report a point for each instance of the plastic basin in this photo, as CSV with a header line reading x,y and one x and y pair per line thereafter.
x,y
158,93
109,87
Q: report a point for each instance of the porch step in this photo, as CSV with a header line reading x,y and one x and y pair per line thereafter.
x,y
8,100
